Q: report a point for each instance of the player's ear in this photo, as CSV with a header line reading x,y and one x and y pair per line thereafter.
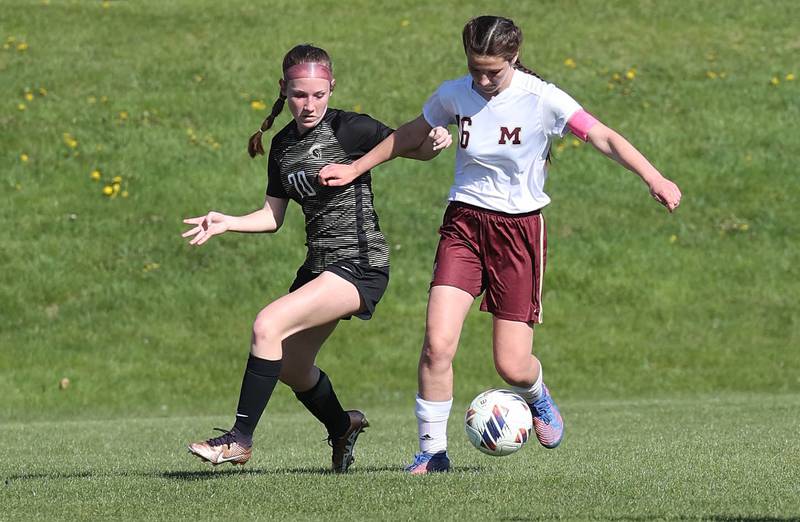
x,y
515,59
282,85
333,84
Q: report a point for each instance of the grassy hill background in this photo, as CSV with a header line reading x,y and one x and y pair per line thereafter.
x,y
638,303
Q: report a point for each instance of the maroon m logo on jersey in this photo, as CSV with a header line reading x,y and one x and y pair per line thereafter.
x,y
511,135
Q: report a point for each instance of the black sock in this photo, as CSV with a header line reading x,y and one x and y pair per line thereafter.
x,y
321,401
258,382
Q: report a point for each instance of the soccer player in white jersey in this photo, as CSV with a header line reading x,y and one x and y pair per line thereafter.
x,y
493,237
346,269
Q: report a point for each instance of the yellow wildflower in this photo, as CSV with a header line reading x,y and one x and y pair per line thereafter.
x,y
569,62
405,23
69,140
96,175
106,4
11,39
29,96
107,190
117,179
22,47
124,193
258,105
631,74
775,80
42,91
790,77
357,107
103,99
711,75
575,142
198,78
21,106
92,100
616,77
123,115
24,158
673,238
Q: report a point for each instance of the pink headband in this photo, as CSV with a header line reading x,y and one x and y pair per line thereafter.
x,y
307,70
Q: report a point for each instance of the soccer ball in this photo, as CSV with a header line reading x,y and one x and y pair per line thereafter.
x,y
498,422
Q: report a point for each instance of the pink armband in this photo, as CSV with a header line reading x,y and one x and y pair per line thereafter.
x,y
580,123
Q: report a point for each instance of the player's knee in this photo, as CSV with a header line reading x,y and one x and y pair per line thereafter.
x,y
511,372
438,350
265,329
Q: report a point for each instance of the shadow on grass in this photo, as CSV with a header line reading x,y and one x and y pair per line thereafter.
x,y
210,474
361,470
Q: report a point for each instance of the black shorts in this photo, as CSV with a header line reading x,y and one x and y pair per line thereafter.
x,y
370,282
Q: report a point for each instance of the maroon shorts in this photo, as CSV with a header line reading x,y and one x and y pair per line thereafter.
x,y
501,254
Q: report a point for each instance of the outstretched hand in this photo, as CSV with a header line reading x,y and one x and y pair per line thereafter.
x,y
212,224
667,193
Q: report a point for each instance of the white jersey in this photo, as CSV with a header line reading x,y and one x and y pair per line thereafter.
x,y
503,142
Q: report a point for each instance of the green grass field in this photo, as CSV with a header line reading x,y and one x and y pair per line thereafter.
x,y
710,465
672,342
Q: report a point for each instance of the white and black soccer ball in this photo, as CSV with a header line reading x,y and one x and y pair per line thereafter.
x,y
498,422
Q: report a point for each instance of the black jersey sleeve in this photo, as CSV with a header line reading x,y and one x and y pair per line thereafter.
x,y
274,185
359,133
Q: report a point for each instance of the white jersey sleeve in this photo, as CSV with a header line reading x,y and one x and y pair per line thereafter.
x,y
557,108
438,111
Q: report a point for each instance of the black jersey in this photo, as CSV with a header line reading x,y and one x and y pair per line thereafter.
x,y
341,223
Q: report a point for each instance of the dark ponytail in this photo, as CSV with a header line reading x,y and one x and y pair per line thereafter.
x,y
304,53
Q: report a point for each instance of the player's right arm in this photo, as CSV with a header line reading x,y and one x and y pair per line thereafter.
x,y
267,219
406,138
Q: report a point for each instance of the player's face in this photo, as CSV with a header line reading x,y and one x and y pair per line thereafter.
x,y
491,74
308,100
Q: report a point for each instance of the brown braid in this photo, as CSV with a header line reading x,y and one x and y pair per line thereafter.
x,y
304,53
518,66
254,145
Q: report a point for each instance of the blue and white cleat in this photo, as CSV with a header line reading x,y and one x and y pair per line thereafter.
x,y
547,421
429,463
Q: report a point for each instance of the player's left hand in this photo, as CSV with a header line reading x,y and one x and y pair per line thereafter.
x,y
440,138
667,193
337,175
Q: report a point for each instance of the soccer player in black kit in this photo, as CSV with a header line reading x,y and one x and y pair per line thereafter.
x,y
347,266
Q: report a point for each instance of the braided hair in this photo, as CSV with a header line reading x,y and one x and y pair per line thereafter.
x,y
304,53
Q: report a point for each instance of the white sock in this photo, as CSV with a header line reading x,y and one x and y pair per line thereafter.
x,y
532,393
432,424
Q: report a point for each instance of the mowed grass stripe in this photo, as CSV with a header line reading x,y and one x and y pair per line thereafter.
x,y
628,460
